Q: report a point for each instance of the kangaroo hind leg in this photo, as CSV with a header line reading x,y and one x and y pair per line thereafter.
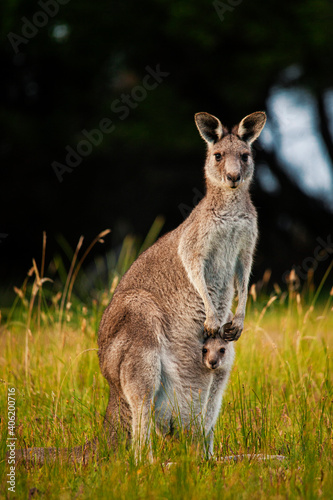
x,y
140,380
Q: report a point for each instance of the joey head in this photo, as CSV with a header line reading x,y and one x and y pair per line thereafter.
x,y
214,351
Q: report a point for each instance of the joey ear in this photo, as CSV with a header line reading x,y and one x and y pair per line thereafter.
x,y
210,127
205,335
251,126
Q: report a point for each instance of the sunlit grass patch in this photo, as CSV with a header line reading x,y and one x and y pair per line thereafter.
x,y
278,401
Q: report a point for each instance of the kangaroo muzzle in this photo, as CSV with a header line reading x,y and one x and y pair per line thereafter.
x,y
233,180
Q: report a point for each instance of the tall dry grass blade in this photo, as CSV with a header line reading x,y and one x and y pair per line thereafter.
x,y
31,305
263,312
266,277
327,309
322,283
299,304
253,293
77,269
114,284
42,267
20,294
62,382
64,293
328,303
314,300
153,233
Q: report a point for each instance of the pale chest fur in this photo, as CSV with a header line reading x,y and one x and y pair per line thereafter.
x,y
228,237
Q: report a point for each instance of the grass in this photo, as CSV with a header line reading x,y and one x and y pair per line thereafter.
x,y
279,399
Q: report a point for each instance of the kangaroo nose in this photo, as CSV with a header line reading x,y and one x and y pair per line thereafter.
x,y
233,178
213,363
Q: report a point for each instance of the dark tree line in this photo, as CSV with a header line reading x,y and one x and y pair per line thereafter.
x,y
85,60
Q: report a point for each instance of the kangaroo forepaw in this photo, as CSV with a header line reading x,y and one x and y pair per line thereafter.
x,y
232,331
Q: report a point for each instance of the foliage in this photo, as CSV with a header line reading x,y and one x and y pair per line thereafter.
x,y
57,86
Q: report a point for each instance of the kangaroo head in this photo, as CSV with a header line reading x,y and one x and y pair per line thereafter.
x,y
214,351
229,160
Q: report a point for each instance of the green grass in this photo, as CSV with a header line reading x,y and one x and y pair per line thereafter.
x,y
279,399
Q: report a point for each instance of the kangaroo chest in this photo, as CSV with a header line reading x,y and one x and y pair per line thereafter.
x,y
227,239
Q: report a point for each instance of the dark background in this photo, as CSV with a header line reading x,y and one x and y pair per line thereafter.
x,y
225,58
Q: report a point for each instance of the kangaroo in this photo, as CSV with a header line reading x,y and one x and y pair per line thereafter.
x,y
214,351
217,357
150,335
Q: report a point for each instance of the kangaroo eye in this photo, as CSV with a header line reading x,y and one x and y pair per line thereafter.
x,y
218,156
245,157
222,350
204,350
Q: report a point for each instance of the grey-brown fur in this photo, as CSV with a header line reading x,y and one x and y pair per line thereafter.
x,y
217,359
150,335
215,352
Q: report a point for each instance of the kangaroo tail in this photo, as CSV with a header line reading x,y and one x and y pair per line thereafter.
x,y
36,456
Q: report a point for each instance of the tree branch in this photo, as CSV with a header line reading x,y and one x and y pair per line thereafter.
x,y
324,125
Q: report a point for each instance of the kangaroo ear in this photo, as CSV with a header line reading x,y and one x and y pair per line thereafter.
x,y
209,126
205,335
251,126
